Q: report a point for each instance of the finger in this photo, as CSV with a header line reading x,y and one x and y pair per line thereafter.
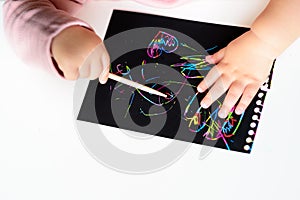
x,y
215,58
104,75
106,67
248,94
209,80
219,88
94,61
95,69
235,91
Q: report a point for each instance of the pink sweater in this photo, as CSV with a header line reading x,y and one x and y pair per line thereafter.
x,y
32,24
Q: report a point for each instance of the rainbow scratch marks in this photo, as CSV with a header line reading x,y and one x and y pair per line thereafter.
x,y
121,69
220,129
204,123
192,65
162,42
209,124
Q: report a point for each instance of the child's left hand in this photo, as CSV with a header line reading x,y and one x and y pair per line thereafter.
x,y
80,53
241,68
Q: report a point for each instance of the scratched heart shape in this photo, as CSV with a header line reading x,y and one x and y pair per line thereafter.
x,y
162,42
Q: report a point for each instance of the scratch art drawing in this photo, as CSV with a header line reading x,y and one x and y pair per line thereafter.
x,y
172,63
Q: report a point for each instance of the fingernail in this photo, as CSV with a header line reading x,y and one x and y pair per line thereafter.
x,y
200,89
204,105
103,78
209,59
239,111
102,81
222,114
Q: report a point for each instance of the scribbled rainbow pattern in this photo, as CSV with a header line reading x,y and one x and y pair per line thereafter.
x,y
200,121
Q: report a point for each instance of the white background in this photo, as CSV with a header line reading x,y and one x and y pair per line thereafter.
x,y
41,156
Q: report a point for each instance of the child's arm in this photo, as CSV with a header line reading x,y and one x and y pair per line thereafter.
x,y
35,29
244,65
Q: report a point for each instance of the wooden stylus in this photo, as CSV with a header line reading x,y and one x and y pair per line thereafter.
x,y
135,85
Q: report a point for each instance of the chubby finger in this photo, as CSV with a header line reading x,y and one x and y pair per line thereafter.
x,y
215,58
105,62
96,69
210,79
104,75
248,94
217,90
98,61
234,93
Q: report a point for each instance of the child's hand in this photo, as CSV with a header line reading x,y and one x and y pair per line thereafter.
x,y
241,68
80,53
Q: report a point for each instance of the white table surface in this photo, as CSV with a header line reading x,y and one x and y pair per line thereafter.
x,y
41,156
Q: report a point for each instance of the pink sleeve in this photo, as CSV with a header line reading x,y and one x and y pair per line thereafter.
x,y
30,26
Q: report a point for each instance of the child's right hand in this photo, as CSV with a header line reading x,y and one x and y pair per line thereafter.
x,y
241,68
80,53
